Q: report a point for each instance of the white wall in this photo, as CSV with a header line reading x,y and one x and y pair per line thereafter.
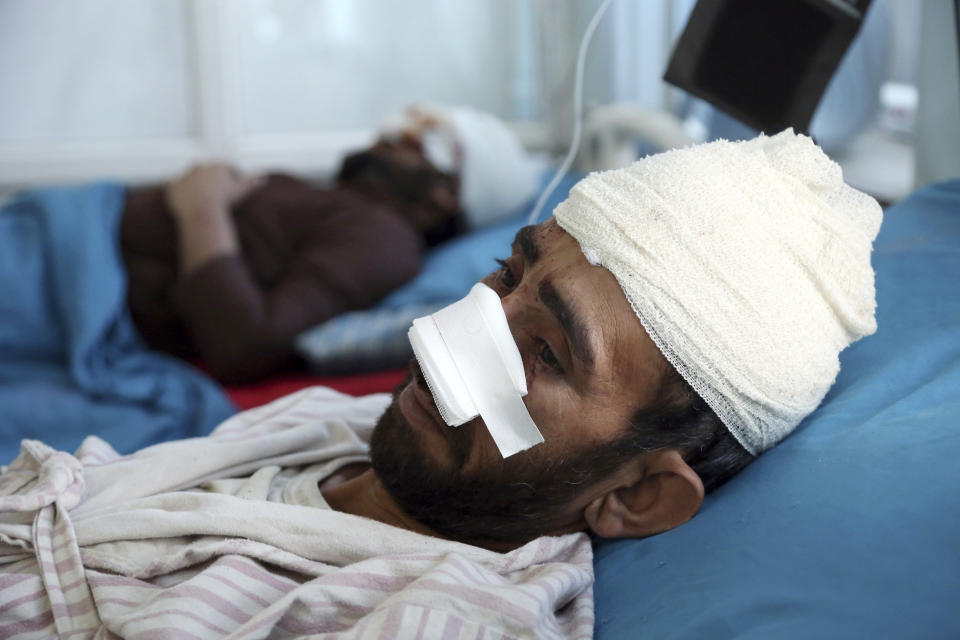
x,y
93,70
138,90
938,119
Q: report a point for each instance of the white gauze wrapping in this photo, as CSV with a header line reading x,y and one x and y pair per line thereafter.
x,y
473,367
497,174
748,264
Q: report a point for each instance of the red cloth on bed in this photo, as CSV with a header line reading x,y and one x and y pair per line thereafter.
x,y
247,396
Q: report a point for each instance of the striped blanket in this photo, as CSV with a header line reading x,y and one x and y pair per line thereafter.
x,y
178,541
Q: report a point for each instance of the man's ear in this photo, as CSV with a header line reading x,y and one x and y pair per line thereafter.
x,y
663,493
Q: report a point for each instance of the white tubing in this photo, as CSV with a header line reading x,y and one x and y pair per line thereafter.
x,y
577,113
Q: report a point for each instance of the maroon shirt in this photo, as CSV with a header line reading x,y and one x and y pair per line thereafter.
x,y
307,254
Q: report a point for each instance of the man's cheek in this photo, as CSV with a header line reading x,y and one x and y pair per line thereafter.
x,y
479,451
550,405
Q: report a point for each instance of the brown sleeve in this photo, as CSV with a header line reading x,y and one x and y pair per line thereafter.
x,y
245,332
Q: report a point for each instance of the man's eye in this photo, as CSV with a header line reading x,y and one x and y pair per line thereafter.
x,y
505,275
548,358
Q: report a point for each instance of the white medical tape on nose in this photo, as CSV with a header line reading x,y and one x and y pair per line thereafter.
x,y
473,367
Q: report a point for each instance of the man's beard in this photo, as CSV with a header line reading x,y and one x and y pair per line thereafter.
x,y
521,498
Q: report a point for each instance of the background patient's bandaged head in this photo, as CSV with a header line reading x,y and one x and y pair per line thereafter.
x,y
748,263
497,175
473,367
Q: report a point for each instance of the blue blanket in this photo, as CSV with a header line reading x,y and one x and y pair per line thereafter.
x,y
71,363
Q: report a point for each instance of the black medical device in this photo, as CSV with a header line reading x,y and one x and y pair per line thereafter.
x,y
956,17
765,62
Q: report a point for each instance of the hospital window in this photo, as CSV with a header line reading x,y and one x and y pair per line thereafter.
x,y
139,90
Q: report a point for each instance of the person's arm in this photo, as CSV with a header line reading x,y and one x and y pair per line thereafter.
x,y
244,330
200,203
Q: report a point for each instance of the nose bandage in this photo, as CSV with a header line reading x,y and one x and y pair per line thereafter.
x,y
473,367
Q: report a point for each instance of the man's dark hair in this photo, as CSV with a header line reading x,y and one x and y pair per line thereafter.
x,y
680,419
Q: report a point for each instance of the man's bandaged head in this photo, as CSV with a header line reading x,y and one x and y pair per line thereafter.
x,y
748,264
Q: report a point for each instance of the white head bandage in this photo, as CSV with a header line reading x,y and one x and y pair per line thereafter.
x,y
497,175
473,367
748,264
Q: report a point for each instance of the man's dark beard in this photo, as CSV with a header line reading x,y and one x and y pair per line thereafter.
x,y
523,498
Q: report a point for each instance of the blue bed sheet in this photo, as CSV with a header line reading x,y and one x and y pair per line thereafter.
x,y
71,363
851,527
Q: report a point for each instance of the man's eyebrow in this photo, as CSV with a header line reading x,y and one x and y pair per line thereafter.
x,y
576,331
526,240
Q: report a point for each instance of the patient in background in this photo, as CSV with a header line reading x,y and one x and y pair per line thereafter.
x,y
229,268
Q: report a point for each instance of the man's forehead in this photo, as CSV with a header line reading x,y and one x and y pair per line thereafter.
x,y
596,299
567,289
535,240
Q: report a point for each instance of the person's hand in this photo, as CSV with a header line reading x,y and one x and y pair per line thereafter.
x,y
200,202
208,189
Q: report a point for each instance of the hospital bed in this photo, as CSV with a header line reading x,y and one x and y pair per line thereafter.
x,y
849,528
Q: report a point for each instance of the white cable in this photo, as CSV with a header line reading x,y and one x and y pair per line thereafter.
x,y
577,113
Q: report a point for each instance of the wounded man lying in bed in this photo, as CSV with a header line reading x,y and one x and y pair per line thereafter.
x,y
675,319
230,268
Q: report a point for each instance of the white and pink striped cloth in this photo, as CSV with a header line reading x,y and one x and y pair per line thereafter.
x,y
228,537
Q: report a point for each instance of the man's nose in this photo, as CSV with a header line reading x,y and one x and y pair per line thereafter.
x,y
518,311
